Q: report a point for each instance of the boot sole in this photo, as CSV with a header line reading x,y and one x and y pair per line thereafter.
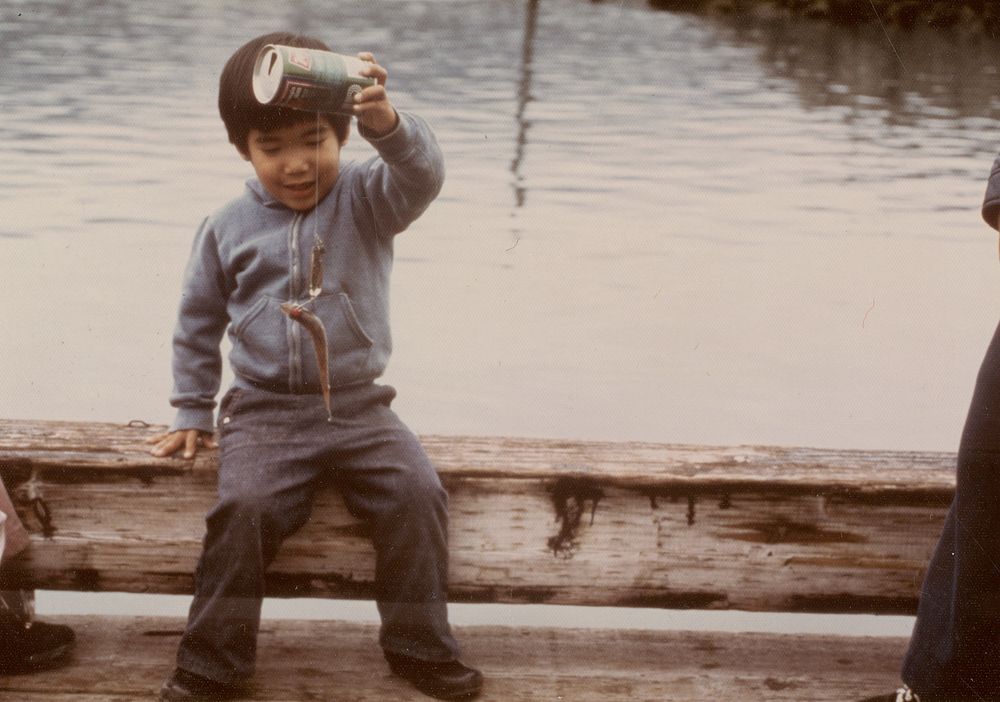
x,y
457,695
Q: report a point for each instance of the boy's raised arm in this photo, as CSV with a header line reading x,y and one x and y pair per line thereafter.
x,y
405,180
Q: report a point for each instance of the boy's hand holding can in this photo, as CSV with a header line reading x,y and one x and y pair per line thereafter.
x,y
372,107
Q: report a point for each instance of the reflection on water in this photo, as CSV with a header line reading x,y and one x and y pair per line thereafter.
x,y
655,226
523,96
907,75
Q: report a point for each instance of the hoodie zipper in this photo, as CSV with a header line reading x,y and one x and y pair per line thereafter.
x,y
294,335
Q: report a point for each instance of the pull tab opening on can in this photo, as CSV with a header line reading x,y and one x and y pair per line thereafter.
x,y
267,74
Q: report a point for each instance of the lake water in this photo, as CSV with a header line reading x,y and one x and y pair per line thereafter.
x,y
655,226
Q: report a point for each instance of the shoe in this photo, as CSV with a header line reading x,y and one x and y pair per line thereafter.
x,y
903,694
183,686
450,680
36,646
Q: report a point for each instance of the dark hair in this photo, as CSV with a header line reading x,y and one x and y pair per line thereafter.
x,y
241,111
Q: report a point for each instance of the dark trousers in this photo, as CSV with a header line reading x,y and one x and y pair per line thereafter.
x,y
955,647
274,449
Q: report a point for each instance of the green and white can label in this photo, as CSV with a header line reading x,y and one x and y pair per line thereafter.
x,y
308,79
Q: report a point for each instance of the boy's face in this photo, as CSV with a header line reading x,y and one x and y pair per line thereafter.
x,y
296,161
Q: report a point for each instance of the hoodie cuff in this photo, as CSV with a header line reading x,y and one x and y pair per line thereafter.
x,y
199,418
397,143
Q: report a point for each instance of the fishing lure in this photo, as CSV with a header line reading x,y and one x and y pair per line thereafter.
x,y
314,326
316,269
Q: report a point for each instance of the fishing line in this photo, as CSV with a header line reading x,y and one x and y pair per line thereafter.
x,y
886,32
316,182
316,259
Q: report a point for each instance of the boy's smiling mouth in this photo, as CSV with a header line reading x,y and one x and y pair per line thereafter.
x,y
300,187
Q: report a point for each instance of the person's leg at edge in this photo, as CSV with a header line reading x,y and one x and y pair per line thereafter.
x,y
15,605
956,637
25,645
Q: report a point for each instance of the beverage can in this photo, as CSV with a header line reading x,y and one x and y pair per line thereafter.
x,y
308,79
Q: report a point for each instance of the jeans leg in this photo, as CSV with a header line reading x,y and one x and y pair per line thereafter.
x,y
956,639
388,480
265,495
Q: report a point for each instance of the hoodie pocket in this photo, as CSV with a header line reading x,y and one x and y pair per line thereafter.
x,y
353,322
260,343
349,345
242,325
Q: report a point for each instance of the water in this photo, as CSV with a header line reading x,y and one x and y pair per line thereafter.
x,y
655,226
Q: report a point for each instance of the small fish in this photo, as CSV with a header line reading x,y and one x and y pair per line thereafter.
x,y
314,326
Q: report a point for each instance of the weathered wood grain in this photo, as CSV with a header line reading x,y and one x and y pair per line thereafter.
x,y
122,658
52,447
747,527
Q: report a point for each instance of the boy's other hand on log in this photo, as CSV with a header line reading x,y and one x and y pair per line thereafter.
x,y
168,443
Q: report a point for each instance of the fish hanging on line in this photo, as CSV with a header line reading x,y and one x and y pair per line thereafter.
x,y
314,326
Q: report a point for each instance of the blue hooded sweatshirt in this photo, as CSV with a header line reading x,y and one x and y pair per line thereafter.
x,y
253,254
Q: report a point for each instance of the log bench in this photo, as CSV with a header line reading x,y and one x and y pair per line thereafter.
x,y
754,528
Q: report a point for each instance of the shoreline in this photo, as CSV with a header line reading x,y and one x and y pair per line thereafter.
x,y
905,14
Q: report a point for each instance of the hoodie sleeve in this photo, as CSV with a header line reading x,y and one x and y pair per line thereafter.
x,y
407,175
201,322
991,203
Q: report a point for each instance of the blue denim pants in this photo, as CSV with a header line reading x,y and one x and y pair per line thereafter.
x,y
955,648
274,450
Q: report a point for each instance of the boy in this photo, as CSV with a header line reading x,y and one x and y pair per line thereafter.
x,y
275,436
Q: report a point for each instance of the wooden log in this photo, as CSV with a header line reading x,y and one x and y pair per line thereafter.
x,y
574,522
119,658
